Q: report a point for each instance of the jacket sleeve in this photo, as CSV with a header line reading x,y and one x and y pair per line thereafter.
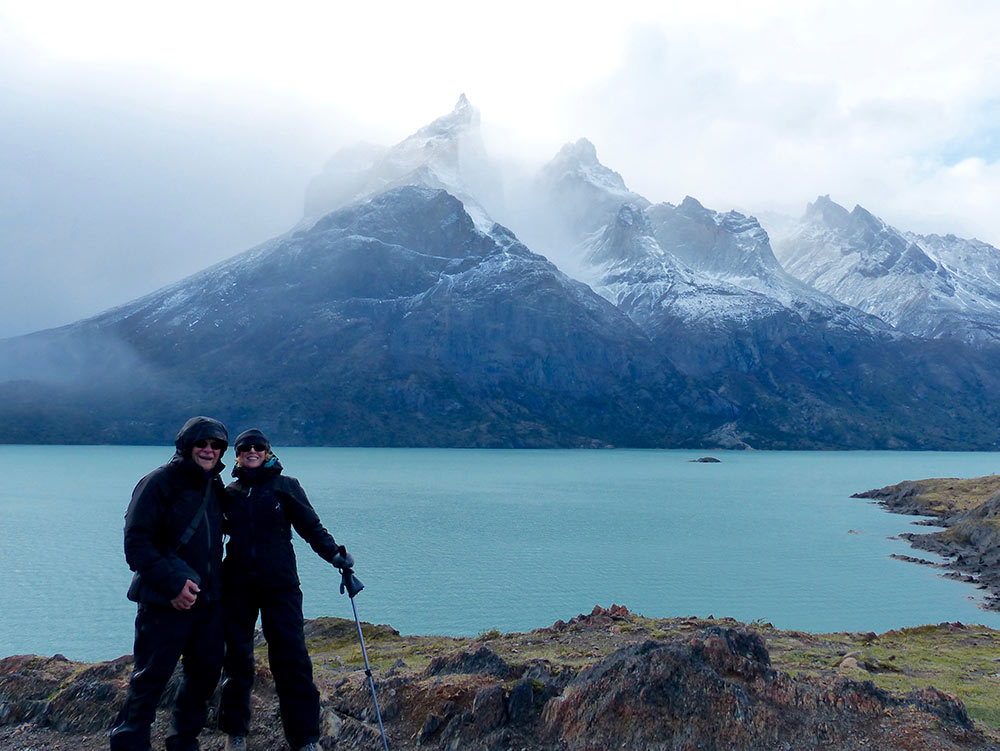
x,y
306,521
145,548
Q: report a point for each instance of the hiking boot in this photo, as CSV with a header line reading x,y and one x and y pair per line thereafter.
x,y
236,743
175,743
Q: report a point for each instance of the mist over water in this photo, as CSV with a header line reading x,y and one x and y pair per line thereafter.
x,y
462,541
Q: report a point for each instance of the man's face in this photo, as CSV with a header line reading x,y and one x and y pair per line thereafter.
x,y
206,453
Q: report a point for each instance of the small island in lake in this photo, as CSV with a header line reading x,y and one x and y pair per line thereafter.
x,y
608,679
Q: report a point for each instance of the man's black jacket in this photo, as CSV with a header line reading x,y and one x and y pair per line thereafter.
x,y
163,505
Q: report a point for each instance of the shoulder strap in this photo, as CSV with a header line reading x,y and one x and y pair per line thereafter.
x,y
196,520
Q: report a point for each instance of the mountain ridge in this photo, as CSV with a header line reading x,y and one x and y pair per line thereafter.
x,y
391,322
407,316
927,286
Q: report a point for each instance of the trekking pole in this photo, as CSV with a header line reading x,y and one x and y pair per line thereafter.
x,y
352,585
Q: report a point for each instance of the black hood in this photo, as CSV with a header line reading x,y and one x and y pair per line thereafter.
x,y
200,429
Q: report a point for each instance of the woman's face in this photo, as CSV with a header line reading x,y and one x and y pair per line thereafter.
x,y
251,456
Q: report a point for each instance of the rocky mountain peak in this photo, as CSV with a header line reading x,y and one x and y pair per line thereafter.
x,y
826,212
864,220
828,215
691,206
443,227
928,286
579,193
463,118
878,249
577,163
729,245
582,151
443,144
627,238
448,153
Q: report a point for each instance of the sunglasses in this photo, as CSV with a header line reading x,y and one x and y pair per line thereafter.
x,y
260,448
214,445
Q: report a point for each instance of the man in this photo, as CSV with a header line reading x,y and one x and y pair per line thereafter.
x,y
173,543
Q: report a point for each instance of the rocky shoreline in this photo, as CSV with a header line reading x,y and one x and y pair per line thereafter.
x,y
969,512
607,679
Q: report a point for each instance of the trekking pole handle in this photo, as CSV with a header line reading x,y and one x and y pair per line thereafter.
x,y
350,583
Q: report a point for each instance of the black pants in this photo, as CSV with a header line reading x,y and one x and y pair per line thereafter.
x,y
281,620
162,636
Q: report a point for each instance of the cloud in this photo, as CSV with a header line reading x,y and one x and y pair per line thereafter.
x,y
854,102
118,181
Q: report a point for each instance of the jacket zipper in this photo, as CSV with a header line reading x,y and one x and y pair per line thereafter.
x,y
208,532
253,546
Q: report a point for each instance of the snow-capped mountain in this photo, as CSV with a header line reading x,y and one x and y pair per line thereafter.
x,y
448,154
708,290
684,269
928,286
398,313
734,248
581,191
569,199
394,321
630,268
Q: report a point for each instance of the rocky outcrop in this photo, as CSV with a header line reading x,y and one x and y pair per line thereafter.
x,y
719,690
608,679
969,511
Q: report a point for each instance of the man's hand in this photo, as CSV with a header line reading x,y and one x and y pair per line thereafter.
x,y
186,598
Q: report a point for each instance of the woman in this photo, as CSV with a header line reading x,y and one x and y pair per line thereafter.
x,y
259,576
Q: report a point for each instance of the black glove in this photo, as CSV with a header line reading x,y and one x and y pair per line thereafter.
x,y
350,583
342,559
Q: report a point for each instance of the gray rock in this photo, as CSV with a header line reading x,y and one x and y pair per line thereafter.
x,y
483,661
431,725
489,709
520,703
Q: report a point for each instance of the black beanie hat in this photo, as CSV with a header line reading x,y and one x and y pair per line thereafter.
x,y
251,436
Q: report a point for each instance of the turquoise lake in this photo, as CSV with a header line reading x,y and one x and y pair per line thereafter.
x,y
451,541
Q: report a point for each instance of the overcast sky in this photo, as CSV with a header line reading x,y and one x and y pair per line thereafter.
x,y
141,142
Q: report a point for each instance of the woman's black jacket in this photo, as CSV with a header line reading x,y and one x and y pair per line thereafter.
x,y
262,508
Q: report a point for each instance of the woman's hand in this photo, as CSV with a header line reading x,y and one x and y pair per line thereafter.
x,y
342,559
